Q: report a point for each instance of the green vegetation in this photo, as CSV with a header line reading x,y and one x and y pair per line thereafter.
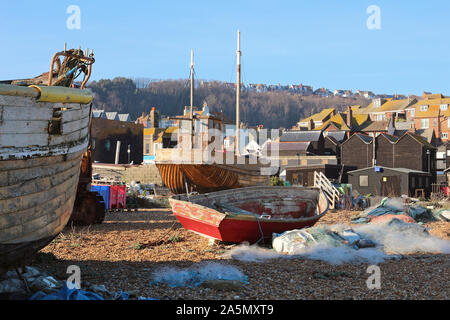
x,y
276,181
272,109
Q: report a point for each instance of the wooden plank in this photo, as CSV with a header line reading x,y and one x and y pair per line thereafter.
x,y
24,127
26,174
75,114
27,113
17,101
8,165
23,140
38,184
47,224
35,199
68,138
74,125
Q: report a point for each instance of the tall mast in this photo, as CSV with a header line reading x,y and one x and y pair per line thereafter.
x,y
192,99
192,81
238,90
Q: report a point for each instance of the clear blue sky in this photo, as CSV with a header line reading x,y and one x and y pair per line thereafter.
x,y
316,42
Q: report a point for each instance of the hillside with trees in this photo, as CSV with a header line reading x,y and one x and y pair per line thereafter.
x,y
273,109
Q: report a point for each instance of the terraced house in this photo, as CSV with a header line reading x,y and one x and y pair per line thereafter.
x,y
316,120
384,109
433,114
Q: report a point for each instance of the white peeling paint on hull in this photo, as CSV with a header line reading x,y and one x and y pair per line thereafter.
x,y
39,166
25,134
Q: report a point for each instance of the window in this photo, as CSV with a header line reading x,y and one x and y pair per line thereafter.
x,y
147,148
444,107
423,108
363,181
444,135
424,124
413,112
413,182
379,117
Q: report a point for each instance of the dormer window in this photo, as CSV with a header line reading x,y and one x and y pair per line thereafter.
x,y
423,108
444,107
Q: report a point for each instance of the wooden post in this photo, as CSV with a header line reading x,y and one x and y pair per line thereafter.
x,y
117,152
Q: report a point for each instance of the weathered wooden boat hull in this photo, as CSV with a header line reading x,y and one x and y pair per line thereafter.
x,y
205,178
197,213
41,146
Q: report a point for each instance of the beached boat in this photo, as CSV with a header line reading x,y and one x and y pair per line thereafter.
x,y
44,132
182,176
249,214
205,178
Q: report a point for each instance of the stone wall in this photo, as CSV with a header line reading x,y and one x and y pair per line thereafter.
x,y
146,174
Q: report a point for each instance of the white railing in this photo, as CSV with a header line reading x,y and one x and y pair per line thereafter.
x,y
330,191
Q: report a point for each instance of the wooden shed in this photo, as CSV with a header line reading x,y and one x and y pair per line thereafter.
x,y
105,135
305,175
384,150
414,152
357,151
392,182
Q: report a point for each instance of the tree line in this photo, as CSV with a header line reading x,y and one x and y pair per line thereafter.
x,y
279,109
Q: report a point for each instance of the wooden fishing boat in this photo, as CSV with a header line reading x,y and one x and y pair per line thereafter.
x,y
249,214
44,132
204,177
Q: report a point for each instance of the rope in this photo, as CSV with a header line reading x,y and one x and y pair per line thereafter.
x,y
260,230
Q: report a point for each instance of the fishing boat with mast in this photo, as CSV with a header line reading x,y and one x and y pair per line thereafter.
x,y
188,168
44,132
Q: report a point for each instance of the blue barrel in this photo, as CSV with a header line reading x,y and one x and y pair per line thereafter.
x,y
103,191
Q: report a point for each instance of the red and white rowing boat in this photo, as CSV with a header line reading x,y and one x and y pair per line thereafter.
x,y
249,214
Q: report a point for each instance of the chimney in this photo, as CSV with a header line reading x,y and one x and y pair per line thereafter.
x,y
349,117
310,124
154,118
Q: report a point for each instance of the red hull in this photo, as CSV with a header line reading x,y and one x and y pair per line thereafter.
x,y
233,230
249,213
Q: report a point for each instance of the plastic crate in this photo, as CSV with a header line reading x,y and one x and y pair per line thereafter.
x,y
104,192
118,197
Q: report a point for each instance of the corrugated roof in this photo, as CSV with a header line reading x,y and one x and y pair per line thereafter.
x,y
392,139
339,136
364,138
300,136
288,146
